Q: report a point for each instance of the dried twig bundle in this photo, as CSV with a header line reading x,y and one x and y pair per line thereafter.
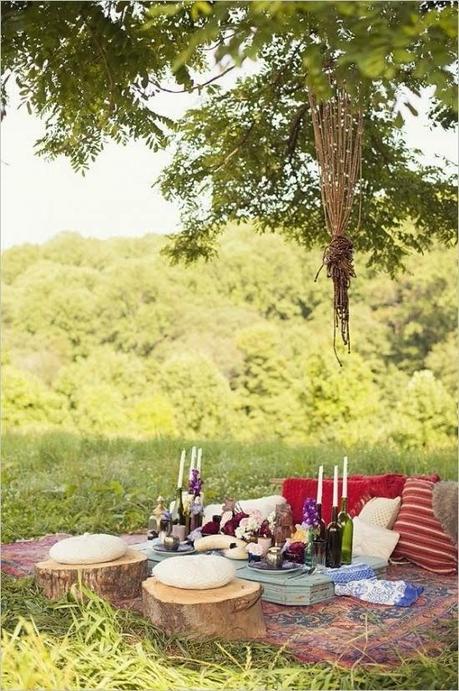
x,y
338,141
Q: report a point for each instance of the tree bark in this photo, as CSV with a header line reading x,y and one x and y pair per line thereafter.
x,y
232,612
114,580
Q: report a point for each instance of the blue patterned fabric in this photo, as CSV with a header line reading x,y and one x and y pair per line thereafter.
x,y
398,593
359,580
353,572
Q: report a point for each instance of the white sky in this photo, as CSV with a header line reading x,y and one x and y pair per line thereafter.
x,y
41,198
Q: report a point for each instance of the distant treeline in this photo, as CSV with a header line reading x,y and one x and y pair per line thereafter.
x,y
106,337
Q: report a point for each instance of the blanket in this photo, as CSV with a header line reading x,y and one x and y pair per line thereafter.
x,y
344,630
359,487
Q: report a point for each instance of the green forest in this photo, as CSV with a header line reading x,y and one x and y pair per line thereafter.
x,y
109,338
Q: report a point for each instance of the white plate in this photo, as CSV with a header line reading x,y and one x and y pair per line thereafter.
x,y
182,549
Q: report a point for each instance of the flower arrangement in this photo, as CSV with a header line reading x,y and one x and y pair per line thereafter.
x,y
195,483
311,517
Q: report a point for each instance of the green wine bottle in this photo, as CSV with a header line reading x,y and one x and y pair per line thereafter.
x,y
347,532
178,514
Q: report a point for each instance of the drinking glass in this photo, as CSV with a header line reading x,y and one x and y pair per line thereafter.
x,y
319,551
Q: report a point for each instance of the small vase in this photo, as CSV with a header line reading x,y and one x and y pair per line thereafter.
x,y
265,543
309,549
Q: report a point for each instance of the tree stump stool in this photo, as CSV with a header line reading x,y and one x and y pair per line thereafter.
x,y
114,580
232,612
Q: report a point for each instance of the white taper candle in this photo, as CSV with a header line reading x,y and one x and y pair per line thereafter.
x,y
193,459
181,469
344,493
319,484
335,486
198,465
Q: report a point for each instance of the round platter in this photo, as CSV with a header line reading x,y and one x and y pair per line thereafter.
x,y
286,567
184,548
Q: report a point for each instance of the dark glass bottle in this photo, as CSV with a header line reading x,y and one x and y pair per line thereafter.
x,y
334,541
178,514
322,527
347,532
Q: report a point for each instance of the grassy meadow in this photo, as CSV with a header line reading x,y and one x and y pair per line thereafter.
x,y
62,482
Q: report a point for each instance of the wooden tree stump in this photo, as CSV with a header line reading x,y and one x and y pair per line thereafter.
x,y
114,580
232,612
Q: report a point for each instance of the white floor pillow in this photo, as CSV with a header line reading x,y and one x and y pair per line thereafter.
x,y
381,512
88,549
265,505
373,541
199,572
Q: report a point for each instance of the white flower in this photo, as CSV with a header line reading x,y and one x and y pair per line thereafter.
x,y
239,532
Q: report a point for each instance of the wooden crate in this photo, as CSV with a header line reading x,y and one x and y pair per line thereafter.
x,y
286,589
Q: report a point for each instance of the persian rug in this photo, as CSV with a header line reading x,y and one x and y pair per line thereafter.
x,y
345,630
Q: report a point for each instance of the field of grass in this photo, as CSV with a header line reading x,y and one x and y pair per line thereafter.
x,y
60,482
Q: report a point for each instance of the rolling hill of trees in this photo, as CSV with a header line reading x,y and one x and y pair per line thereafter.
x,y
106,337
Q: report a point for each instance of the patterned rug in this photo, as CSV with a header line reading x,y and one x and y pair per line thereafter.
x,y
345,631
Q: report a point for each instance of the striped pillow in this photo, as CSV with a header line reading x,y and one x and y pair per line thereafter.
x,y
422,539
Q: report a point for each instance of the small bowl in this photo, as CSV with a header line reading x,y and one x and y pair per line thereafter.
x,y
254,557
171,543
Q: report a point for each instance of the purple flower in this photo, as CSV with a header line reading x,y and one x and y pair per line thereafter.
x,y
310,514
195,483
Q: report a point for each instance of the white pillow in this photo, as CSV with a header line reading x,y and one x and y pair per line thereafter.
x,y
265,505
381,512
88,549
199,572
372,541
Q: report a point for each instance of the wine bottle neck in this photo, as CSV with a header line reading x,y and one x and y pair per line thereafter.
x,y
344,504
334,514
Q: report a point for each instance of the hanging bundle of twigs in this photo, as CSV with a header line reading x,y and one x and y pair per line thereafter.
x,y
338,141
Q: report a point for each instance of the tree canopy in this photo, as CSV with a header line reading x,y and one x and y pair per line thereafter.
x,y
91,71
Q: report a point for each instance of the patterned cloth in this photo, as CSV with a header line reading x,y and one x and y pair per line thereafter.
x,y
381,592
344,630
359,580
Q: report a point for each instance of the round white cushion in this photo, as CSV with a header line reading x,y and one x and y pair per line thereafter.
x,y
198,572
381,512
88,549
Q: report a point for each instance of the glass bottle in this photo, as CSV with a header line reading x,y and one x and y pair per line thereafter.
x,y
178,514
322,526
334,541
347,532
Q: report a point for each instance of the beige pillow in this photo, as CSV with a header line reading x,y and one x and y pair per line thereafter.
x,y
369,540
195,572
88,549
381,512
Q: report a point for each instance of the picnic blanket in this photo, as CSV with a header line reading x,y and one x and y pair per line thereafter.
x,y
345,630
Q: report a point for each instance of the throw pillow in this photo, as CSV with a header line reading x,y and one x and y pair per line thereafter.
x,y
372,541
88,549
422,538
381,512
265,505
195,572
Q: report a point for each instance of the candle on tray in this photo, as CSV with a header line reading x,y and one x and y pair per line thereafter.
x,y
344,492
199,460
181,469
335,486
319,484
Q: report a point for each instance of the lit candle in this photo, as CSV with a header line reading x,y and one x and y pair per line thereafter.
x,y
344,493
335,486
319,484
193,459
199,460
181,469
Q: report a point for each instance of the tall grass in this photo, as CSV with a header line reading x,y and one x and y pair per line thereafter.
x,y
60,482
92,645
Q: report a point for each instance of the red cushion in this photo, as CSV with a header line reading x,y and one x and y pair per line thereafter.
x,y
296,490
422,538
